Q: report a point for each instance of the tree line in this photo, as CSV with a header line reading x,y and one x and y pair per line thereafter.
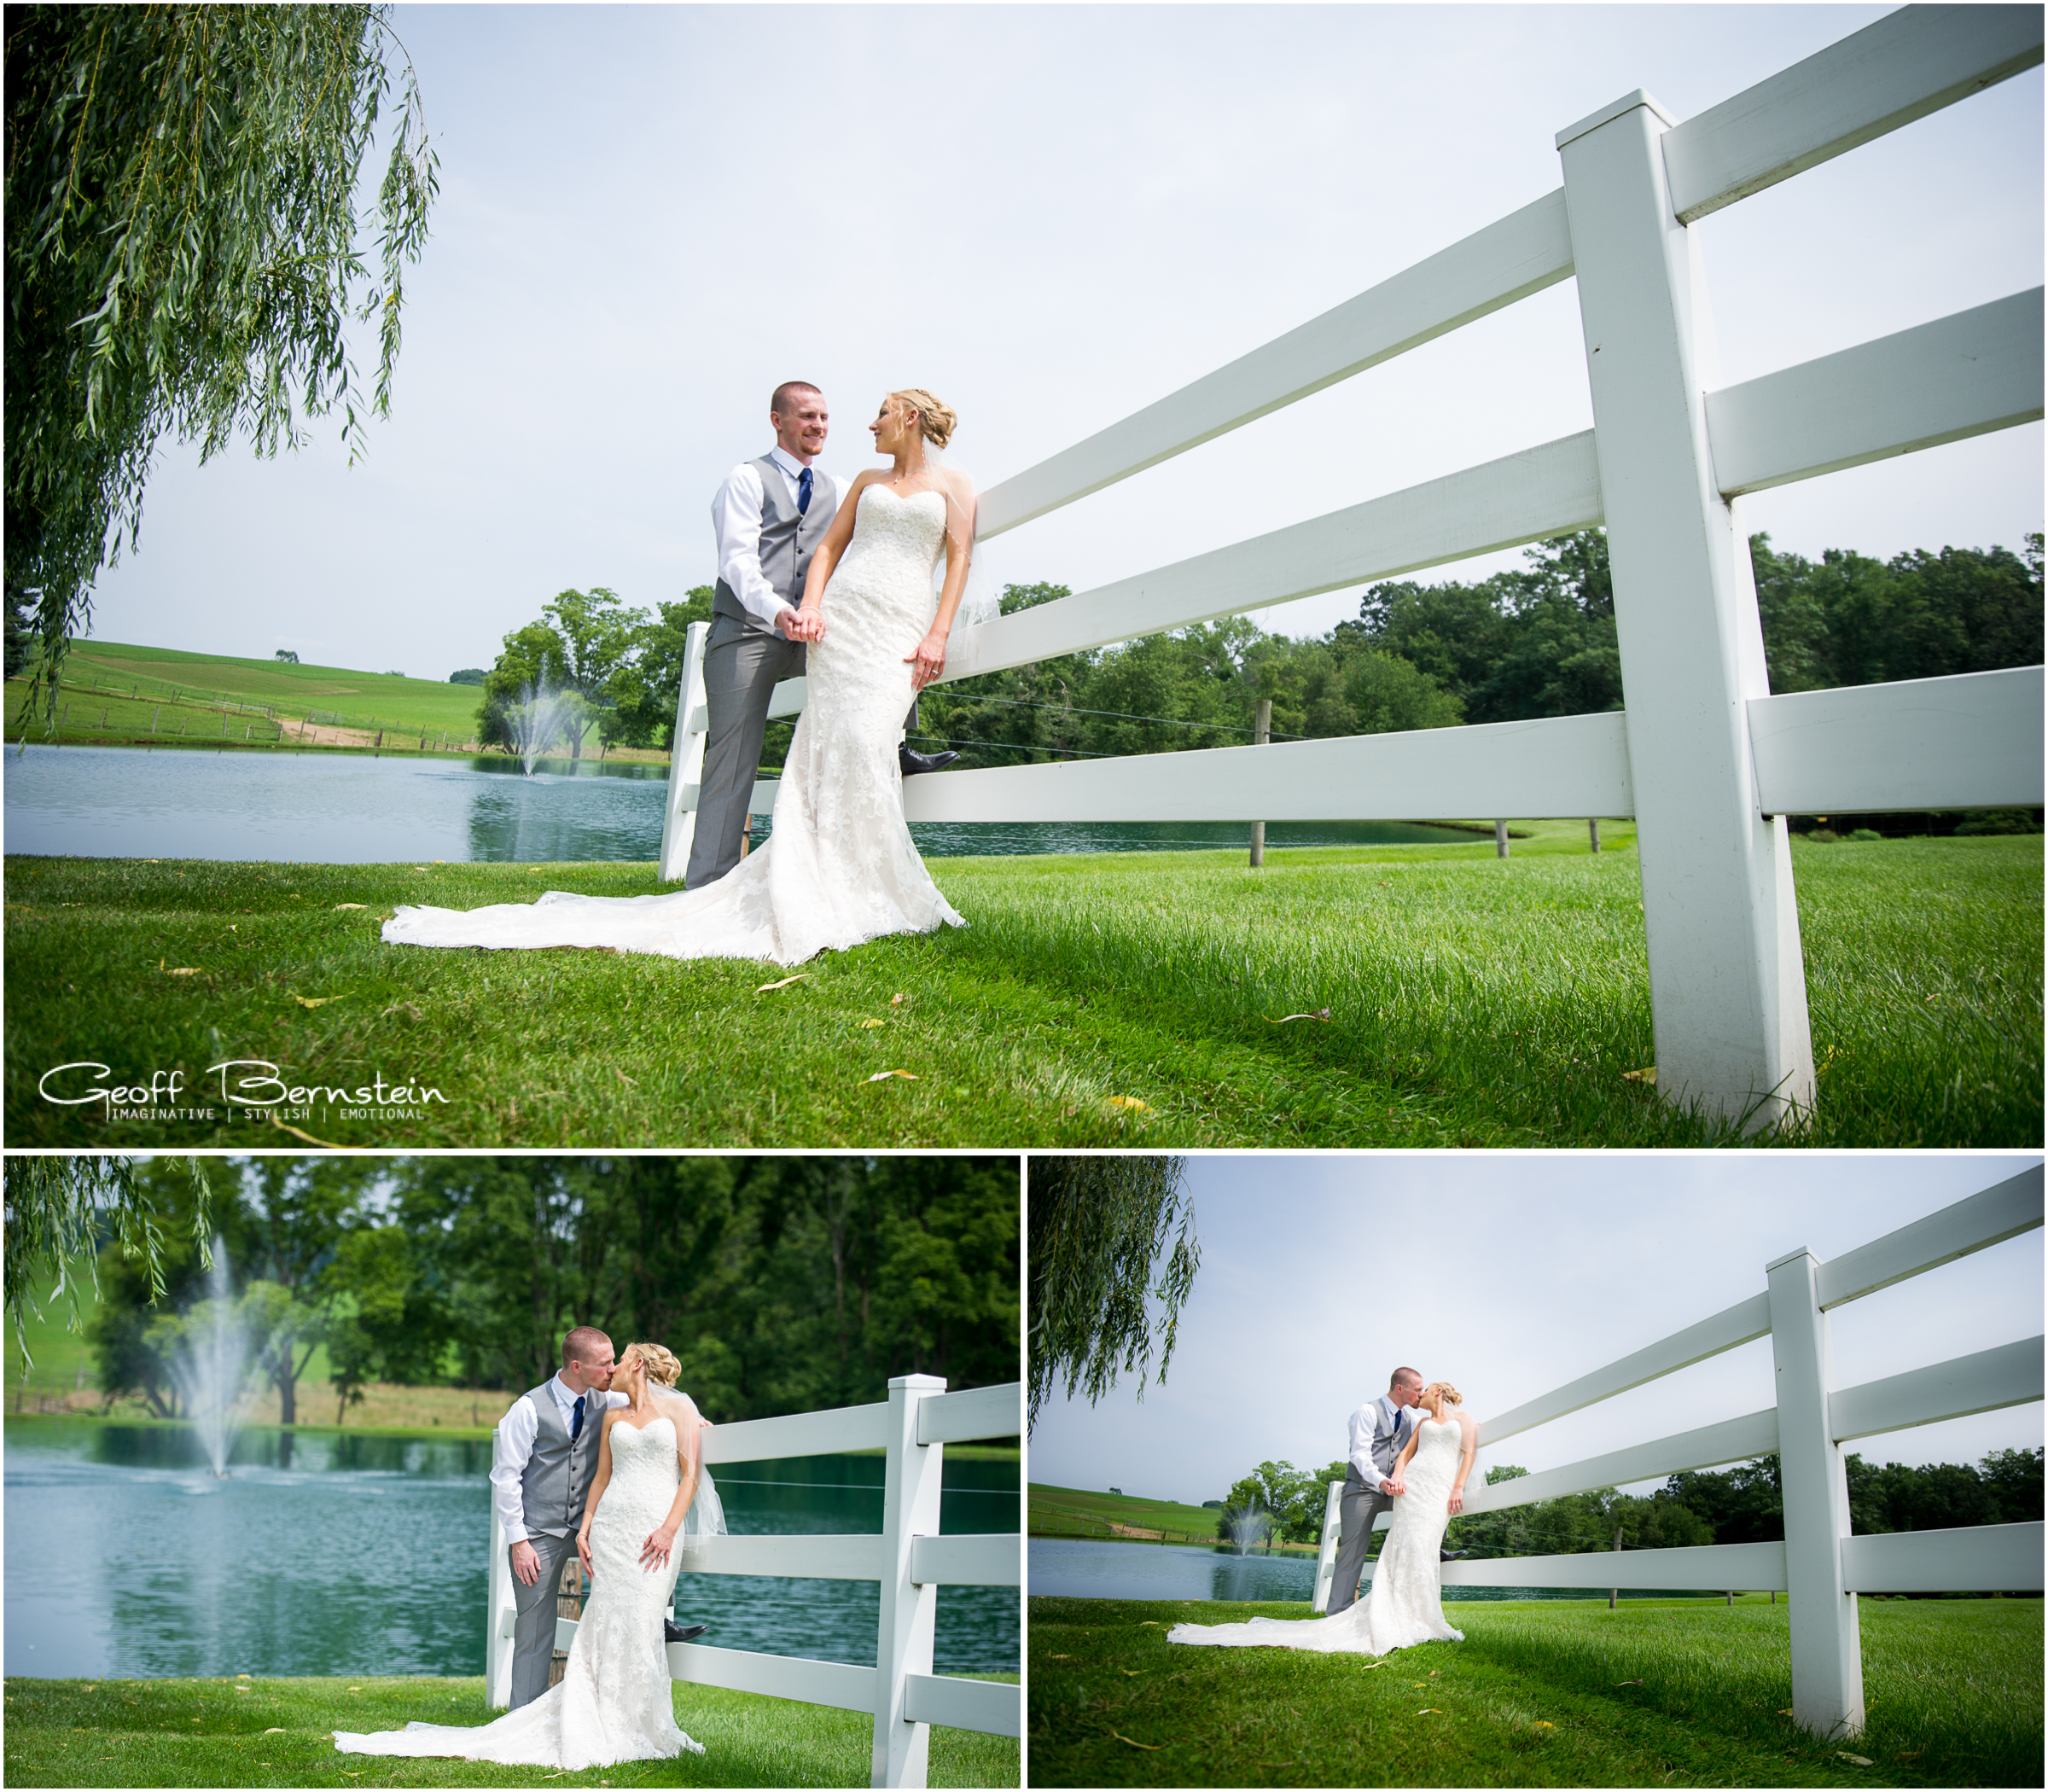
x,y
1537,640
782,1285
1742,1504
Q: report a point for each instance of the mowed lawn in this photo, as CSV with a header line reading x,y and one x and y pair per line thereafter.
x,y
1116,999
1540,1693
1073,1509
277,1732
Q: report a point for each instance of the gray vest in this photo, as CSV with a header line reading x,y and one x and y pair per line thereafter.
x,y
787,541
1386,1445
557,1481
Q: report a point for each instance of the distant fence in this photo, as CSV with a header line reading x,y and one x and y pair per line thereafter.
x,y
909,1561
1705,759
1820,1564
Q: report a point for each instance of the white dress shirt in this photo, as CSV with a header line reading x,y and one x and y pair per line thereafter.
x,y
1375,1418
516,1432
735,516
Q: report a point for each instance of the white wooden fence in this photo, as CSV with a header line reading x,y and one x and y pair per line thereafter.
x,y
1706,759
908,1559
1819,1564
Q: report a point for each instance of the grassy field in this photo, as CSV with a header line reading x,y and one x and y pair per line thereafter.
x,y
277,1733
1541,1693
1118,999
1079,1512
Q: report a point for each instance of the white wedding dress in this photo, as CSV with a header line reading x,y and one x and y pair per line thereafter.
x,y
1405,1604
839,868
614,1702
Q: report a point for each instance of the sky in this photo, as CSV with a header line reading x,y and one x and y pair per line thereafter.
x,y
1509,1276
1050,216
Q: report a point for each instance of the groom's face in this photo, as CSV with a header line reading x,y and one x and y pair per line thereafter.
x,y
801,426
1406,1393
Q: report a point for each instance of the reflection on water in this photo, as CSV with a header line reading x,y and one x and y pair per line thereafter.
x,y
328,1553
1081,1568
117,802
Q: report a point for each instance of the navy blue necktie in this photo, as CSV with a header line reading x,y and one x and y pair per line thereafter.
x,y
803,492
576,1423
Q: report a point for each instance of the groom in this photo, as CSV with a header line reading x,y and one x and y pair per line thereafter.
x,y
547,1456
770,515
1380,1429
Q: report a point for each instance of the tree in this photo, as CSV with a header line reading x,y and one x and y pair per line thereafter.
x,y
469,675
1098,1226
300,1211
182,256
59,1207
285,656
647,689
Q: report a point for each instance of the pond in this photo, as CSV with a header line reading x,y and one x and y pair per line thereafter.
x,y
367,1554
332,808
1080,1568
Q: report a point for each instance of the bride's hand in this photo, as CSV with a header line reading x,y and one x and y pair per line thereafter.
x,y
1457,1500
929,662
583,1548
654,1553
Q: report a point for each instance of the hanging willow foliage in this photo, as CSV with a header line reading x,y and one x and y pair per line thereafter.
x,y
182,260
1097,1225
55,1208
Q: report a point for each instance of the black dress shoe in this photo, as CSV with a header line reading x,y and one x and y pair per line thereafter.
x,y
1452,1555
682,1633
915,762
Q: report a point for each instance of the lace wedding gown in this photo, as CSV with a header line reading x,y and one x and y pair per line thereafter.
x,y
614,1702
1404,1606
839,868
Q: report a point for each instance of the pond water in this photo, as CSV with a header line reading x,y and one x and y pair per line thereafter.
x,y
130,802
1082,1568
326,1553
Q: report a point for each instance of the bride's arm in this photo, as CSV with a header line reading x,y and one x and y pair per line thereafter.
x,y
810,611
661,1541
1407,1454
598,1483
929,660
1471,1427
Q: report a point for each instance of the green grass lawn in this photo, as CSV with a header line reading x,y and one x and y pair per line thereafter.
x,y
1541,1693
1076,1511
277,1733
1116,999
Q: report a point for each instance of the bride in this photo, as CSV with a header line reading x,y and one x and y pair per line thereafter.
x,y
838,867
649,1499
1405,1604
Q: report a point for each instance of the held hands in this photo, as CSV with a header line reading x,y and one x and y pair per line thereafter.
x,y
802,624
929,662
526,1564
654,1553
1395,1485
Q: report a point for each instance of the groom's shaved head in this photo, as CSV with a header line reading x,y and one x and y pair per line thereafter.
x,y
779,404
584,1344
1404,1378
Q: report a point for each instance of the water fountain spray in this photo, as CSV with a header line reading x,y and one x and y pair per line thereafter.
x,y
210,1365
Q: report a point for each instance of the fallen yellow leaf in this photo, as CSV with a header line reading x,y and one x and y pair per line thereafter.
x,y
1542,1725
1860,1761
339,907
279,1731
897,1000
784,984
186,970
1647,1076
318,1001
1429,1711
624,1077
1153,1747
874,1023
1321,1014
1127,1101
882,1076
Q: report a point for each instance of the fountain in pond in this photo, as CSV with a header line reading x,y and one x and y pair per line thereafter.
x,y
210,1362
537,719
1247,1525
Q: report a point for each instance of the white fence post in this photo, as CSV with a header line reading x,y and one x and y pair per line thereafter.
x,y
1326,1561
497,1600
909,1504
1727,984
685,757
1827,1649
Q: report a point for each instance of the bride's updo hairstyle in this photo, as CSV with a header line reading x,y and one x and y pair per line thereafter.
x,y
1452,1396
937,422
661,1365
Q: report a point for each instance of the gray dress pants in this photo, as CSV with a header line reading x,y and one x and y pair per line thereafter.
x,y
533,1634
742,668
1356,1506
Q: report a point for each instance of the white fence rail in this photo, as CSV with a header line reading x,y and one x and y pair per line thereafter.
x,y
909,1559
1819,1563
1705,759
